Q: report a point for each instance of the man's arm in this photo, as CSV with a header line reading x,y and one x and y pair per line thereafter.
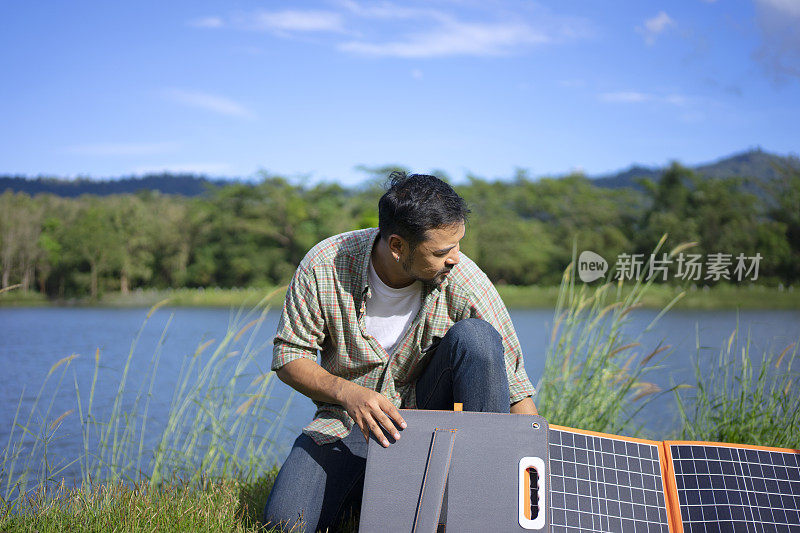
x,y
524,407
301,333
369,409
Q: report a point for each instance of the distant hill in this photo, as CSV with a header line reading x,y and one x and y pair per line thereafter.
x,y
756,164
179,184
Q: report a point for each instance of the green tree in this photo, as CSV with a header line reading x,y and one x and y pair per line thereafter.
x,y
783,209
93,241
130,224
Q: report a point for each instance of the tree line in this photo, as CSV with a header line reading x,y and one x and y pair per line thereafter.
x,y
521,231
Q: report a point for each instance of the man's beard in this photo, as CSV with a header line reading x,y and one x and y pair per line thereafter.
x,y
437,278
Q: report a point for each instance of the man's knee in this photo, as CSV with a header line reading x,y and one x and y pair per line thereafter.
x,y
482,341
480,379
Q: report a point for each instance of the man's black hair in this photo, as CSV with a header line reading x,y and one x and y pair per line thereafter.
x,y
416,203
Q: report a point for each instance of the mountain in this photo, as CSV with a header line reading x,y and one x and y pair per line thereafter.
x,y
756,164
180,184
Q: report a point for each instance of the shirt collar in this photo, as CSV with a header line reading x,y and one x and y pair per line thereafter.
x,y
362,267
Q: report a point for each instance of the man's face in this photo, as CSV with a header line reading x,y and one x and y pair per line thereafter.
x,y
436,255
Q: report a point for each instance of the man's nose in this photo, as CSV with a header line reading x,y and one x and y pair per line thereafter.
x,y
452,259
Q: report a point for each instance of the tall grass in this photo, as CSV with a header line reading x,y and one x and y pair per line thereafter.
x,y
222,505
219,436
594,375
743,399
218,426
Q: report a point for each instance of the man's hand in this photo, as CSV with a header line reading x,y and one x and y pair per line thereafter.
x,y
372,410
368,408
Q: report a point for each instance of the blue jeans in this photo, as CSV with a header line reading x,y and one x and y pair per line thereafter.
x,y
317,486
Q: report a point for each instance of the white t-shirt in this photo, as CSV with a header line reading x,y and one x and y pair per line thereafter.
x,y
390,311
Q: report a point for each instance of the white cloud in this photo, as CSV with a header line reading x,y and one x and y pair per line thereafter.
x,y
210,102
675,99
779,52
207,22
278,22
455,38
189,168
626,97
787,7
637,97
386,10
653,27
435,32
120,149
294,21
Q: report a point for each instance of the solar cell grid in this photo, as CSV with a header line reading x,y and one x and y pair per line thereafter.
x,y
604,484
724,488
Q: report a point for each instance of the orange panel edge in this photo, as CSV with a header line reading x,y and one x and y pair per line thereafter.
x,y
731,445
670,488
458,407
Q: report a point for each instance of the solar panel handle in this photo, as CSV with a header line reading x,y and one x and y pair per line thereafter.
x,y
434,481
526,492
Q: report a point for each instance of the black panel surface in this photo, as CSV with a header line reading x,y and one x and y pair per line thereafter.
x,y
722,488
483,479
603,484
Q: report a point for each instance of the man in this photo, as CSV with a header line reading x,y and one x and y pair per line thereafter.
x,y
401,318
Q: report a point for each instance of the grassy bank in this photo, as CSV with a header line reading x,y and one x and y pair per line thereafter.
x,y
521,297
219,426
596,377
225,505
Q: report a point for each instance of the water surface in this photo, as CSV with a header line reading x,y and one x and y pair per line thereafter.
x,y
34,339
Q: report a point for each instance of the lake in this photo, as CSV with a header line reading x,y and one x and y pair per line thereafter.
x,y
33,339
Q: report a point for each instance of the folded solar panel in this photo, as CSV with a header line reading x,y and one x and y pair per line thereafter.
x,y
590,481
462,471
601,482
733,487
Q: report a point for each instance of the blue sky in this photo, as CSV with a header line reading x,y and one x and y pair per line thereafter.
x,y
313,89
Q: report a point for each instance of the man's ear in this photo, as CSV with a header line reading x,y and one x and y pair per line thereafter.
x,y
397,246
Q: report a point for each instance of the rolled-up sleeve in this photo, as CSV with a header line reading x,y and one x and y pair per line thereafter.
x,y
301,328
487,305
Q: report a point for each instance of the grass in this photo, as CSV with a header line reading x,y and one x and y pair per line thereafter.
x,y
210,297
731,296
218,427
744,399
220,505
212,468
594,376
10,296
657,296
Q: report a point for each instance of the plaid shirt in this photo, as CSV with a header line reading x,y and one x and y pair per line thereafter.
x,y
325,310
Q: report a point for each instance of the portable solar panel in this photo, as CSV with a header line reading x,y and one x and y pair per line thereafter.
x,y
602,482
732,487
462,471
572,480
